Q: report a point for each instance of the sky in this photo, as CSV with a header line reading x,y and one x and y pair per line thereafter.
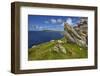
x,y
43,22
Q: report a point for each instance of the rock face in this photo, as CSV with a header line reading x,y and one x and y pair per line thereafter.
x,y
77,34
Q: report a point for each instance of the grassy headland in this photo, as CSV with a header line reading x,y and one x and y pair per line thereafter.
x,y
57,49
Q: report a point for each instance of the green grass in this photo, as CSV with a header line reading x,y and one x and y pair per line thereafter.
x,y
45,51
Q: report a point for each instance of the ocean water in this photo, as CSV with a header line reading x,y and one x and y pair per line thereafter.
x,y
37,37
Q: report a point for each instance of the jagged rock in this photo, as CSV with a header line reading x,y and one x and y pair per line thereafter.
x,y
59,49
73,36
62,49
80,48
33,46
60,42
56,49
52,40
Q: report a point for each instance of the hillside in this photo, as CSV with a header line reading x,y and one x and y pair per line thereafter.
x,y
57,49
73,45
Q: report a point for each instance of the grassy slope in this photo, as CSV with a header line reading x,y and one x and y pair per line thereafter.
x,y
45,51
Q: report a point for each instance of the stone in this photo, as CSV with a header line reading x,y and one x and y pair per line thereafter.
x,y
73,36
62,49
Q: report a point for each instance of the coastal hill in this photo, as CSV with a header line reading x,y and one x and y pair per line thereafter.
x,y
72,46
57,49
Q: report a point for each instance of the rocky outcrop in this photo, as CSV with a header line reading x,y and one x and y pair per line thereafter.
x,y
75,36
59,48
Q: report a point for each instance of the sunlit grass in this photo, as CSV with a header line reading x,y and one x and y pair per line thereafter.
x,y
45,51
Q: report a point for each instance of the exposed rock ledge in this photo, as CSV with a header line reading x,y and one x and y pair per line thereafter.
x,y
75,36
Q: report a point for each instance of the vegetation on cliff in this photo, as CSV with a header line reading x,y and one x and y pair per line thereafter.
x,y
57,49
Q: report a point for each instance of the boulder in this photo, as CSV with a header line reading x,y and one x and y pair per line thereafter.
x,y
62,49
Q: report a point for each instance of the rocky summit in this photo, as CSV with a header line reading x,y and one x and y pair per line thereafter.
x,y
77,34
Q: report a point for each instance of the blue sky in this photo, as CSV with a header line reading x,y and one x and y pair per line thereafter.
x,y
43,22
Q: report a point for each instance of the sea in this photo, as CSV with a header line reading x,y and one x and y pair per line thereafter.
x,y
38,37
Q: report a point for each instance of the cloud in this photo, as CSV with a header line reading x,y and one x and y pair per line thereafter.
x,y
53,21
62,24
78,21
69,21
59,20
74,24
34,26
46,22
